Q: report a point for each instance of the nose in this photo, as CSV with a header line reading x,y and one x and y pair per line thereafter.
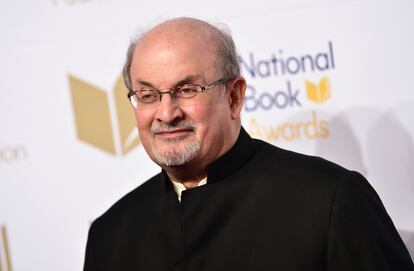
x,y
167,110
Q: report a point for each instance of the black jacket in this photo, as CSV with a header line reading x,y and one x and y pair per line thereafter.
x,y
263,208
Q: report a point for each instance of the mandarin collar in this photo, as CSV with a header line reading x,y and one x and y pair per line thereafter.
x,y
232,160
226,164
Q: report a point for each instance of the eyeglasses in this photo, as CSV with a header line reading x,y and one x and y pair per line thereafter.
x,y
187,94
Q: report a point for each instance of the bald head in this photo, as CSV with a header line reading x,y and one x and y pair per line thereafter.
x,y
177,27
198,31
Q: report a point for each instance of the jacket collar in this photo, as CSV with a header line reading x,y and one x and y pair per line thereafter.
x,y
228,163
232,160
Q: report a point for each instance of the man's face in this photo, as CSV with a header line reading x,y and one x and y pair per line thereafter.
x,y
172,134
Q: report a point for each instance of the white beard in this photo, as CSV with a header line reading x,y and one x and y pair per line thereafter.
x,y
176,155
179,151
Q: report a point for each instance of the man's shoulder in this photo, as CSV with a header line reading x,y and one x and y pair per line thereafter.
x,y
294,166
135,202
294,175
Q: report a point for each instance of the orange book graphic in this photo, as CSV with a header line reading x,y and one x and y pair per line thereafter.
x,y
96,124
318,93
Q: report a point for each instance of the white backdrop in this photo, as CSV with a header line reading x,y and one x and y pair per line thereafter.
x,y
61,59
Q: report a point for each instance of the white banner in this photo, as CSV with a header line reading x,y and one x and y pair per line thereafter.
x,y
327,78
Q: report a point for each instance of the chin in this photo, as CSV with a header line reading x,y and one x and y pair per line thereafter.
x,y
176,155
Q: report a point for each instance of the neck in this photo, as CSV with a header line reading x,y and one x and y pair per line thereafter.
x,y
193,172
185,175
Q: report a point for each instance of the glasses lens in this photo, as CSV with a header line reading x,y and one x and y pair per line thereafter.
x,y
147,97
134,100
144,102
187,91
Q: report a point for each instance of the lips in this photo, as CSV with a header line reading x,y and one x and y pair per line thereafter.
x,y
174,132
171,130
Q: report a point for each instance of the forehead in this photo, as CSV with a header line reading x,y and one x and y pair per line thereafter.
x,y
164,58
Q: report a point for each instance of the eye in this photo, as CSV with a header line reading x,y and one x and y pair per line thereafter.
x,y
147,95
187,91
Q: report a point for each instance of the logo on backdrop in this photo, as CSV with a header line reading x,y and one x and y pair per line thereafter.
x,y
5,259
319,93
12,154
73,3
291,89
104,120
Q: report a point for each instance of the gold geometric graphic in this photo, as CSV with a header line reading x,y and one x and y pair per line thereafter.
x,y
318,93
97,124
5,248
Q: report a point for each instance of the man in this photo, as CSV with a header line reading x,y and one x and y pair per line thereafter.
x,y
223,200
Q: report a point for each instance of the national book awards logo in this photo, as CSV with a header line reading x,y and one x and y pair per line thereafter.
x,y
291,89
104,120
5,259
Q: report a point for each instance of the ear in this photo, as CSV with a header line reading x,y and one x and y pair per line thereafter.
x,y
236,92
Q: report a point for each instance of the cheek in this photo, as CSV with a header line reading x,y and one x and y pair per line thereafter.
x,y
208,119
200,115
144,120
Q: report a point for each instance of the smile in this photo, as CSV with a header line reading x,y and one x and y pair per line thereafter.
x,y
176,133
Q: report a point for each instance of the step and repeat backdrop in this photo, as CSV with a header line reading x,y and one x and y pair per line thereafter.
x,y
325,77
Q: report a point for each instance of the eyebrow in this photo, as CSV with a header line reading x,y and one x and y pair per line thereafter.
x,y
188,79
191,78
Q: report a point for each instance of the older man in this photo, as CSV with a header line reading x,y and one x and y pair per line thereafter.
x,y
223,200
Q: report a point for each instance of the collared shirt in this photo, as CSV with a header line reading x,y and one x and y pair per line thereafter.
x,y
179,187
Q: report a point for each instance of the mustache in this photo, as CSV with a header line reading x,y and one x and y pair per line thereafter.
x,y
160,127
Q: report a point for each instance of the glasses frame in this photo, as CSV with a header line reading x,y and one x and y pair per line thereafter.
x,y
172,91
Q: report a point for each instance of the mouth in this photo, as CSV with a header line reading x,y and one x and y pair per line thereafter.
x,y
174,133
